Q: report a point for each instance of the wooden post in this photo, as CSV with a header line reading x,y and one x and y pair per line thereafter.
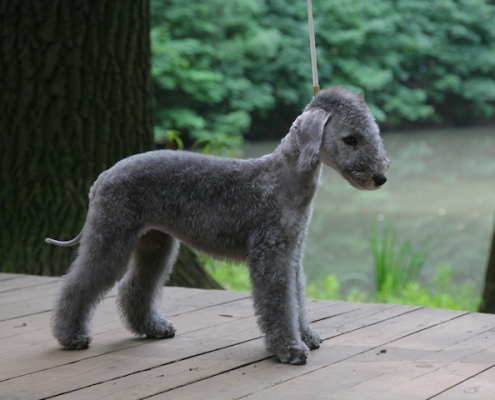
x,y
488,300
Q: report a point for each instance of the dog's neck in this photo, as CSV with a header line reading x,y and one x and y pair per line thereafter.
x,y
288,153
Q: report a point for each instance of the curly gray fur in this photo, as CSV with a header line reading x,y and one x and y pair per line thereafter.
x,y
255,210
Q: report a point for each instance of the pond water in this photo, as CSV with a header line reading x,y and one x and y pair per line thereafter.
x,y
441,188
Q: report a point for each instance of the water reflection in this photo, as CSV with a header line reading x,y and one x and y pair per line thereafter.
x,y
441,186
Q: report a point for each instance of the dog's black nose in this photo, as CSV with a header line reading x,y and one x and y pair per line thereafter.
x,y
379,179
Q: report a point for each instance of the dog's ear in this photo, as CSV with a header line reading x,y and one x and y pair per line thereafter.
x,y
309,133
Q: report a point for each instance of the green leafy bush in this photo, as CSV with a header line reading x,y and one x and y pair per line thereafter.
x,y
222,69
414,60
205,56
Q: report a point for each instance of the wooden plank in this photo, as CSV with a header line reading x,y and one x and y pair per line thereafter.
x,y
106,312
146,383
23,281
38,322
30,301
228,356
479,387
433,360
34,330
413,367
370,351
162,379
340,345
4,276
73,373
175,302
228,332
27,301
193,299
39,299
454,365
36,293
110,335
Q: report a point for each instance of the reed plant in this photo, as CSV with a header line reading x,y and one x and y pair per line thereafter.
x,y
395,264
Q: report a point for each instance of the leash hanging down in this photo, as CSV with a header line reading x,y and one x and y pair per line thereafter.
x,y
312,48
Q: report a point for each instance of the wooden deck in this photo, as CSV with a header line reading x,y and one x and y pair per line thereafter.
x,y
370,351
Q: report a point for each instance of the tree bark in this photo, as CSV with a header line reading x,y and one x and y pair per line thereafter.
x,y
76,99
75,87
488,300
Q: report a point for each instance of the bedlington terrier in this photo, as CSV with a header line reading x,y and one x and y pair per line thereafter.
x,y
255,210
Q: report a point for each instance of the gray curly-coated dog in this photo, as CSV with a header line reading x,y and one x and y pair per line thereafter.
x,y
255,210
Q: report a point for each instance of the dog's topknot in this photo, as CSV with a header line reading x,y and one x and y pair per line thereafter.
x,y
333,97
344,102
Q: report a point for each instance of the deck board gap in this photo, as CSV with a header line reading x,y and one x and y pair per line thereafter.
x,y
226,371
27,287
460,382
25,315
169,363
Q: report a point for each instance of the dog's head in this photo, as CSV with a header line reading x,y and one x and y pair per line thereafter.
x,y
337,128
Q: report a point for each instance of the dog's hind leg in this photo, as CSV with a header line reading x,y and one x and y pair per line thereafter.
x,y
141,288
100,261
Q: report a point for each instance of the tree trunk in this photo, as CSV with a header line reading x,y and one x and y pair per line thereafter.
x,y
488,300
189,272
76,97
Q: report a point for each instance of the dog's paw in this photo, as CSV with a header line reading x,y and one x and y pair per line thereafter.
x,y
76,342
160,329
311,337
296,353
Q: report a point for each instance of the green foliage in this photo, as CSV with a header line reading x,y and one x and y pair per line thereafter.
x,y
218,66
327,288
232,276
442,292
395,265
226,145
397,271
414,60
397,278
170,139
397,275
205,56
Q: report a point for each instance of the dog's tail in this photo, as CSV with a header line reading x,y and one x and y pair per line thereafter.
x,y
69,243
77,239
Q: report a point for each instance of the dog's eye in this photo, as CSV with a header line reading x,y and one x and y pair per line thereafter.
x,y
350,140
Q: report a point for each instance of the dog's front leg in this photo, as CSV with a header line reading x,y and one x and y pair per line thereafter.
x,y
274,278
309,335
